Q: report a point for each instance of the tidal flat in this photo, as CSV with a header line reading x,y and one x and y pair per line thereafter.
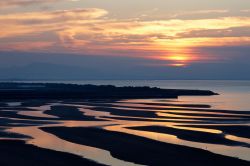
x,y
121,132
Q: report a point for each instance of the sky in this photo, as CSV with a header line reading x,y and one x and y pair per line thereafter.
x,y
117,39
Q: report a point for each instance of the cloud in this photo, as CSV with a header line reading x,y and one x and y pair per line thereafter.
x,y
246,11
228,32
90,31
198,13
37,22
54,16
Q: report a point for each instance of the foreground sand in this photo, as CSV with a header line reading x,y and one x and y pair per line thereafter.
x,y
141,150
85,122
15,153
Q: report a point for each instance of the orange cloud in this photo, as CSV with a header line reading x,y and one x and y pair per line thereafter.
x,y
36,22
90,31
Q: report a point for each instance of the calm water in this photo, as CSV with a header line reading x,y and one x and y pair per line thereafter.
x,y
233,94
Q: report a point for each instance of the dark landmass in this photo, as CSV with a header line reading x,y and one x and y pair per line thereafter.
x,y
108,102
194,114
60,112
177,105
17,153
16,109
7,122
240,131
142,150
3,105
72,91
12,114
156,120
69,113
124,112
184,109
35,103
191,135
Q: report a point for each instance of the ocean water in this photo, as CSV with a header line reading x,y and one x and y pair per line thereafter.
x,y
234,95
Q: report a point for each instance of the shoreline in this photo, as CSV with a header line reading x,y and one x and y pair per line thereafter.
x,y
73,91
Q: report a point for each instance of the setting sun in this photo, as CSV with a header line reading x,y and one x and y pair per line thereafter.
x,y
181,58
177,65
178,60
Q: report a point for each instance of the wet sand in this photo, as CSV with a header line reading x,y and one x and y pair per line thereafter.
x,y
177,105
240,131
4,134
68,120
13,153
141,150
189,135
68,113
